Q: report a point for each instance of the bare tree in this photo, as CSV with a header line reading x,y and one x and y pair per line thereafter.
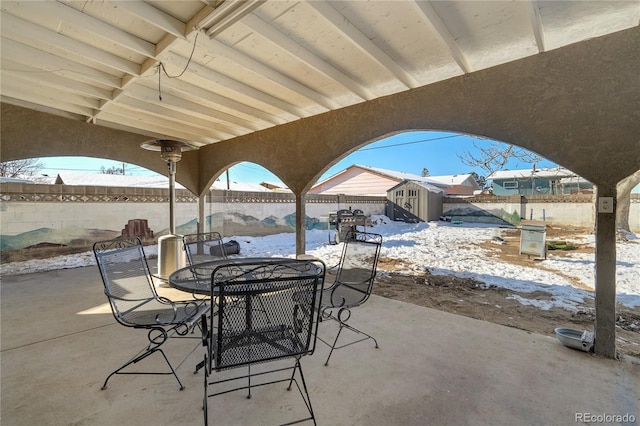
x,y
20,168
113,170
496,156
425,172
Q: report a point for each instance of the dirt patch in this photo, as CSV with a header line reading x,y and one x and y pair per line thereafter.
x,y
472,298
42,252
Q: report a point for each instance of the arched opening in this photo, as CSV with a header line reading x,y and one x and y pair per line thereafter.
x,y
246,199
248,176
436,152
548,287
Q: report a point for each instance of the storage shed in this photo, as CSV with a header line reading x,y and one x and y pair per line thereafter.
x,y
414,201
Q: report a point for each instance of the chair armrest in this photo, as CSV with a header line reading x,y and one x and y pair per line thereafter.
x,y
125,299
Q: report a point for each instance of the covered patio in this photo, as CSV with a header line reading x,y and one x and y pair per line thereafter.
x,y
296,86
59,341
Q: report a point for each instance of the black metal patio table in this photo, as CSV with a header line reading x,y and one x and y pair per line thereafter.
x,y
248,276
196,278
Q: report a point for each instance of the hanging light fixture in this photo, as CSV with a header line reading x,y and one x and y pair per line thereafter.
x,y
171,254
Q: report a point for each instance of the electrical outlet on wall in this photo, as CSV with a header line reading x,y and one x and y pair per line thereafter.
x,y
605,204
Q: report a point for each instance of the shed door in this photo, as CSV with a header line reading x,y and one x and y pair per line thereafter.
x,y
413,201
399,197
399,202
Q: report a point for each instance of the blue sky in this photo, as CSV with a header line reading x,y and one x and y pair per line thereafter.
x,y
407,152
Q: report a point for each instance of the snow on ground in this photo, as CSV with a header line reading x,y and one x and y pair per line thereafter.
x,y
443,248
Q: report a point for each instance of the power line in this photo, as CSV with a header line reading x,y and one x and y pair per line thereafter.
x,y
410,143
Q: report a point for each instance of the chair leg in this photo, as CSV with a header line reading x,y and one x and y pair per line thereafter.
x,y
139,358
335,341
157,336
303,390
305,396
333,346
206,401
249,381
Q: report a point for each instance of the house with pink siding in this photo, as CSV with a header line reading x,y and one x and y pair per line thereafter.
x,y
364,180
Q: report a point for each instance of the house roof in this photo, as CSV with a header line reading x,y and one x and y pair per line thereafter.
x,y
240,186
456,179
393,174
103,179
557,172
275,186
7,179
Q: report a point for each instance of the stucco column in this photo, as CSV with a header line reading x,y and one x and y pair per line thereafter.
x,y
201,203
605,272
301,224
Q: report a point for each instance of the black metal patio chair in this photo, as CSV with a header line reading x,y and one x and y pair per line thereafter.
x,y
135,303
203,247
355,274
241,337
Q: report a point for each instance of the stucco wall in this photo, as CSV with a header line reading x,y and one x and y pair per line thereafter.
x,y
78,215
577,210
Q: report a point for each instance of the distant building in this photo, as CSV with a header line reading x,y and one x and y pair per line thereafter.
x,y
552,181
159,181
363,180
239,186
275,186
104,179
462,184
7,179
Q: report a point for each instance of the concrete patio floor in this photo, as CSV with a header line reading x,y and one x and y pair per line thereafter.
x,y
59,342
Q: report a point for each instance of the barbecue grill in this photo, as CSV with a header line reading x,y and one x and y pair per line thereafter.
x,y
344,221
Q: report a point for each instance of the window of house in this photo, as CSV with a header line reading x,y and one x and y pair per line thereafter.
x,y
413,193
400,193
512,184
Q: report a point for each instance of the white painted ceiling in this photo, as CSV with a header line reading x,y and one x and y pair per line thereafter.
x,y
206,71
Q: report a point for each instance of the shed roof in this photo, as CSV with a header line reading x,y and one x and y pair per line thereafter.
x,y
425,185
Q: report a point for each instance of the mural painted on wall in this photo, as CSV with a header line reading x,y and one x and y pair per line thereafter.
x,y
69,236
475,214
235,223
228,224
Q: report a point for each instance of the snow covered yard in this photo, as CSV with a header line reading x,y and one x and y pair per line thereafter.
x,y
442,248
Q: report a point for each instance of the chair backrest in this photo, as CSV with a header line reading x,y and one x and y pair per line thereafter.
x,y
356,270
126,277
203,247
267,311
